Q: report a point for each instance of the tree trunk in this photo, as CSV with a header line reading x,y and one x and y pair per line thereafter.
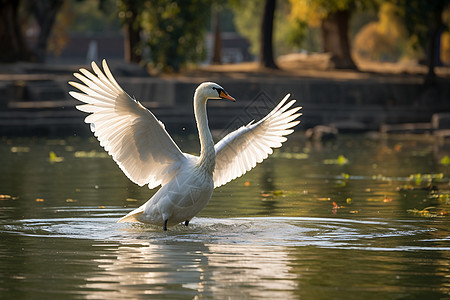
x,y
132,33
217,50
335,40
266,48
12,44
435,23
45,13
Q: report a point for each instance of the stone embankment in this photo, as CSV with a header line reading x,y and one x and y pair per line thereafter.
x,y
35,100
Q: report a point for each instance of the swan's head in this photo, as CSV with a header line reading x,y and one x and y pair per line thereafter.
x,y
211,90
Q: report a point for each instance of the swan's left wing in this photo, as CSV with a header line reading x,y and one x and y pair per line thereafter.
x,y
240,150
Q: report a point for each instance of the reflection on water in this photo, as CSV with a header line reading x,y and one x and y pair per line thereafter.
x,y
315,221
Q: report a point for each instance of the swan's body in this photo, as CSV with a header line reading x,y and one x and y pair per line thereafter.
x,y
147,154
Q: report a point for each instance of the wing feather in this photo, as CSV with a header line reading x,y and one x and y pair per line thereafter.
x,y
129,132
240,151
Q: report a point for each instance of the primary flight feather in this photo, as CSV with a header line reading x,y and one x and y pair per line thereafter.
x,y
140,145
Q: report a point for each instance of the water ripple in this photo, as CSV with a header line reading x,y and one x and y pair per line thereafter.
x,y
363,234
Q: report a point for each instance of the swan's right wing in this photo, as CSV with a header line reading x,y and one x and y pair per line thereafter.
x,y
129,132
242,149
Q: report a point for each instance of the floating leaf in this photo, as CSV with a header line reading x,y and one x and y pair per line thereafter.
x,y
428,212
324,199
445,161
277,192
417,178
39,200
19,149
340,160
247,183
54,158
290,155
90,154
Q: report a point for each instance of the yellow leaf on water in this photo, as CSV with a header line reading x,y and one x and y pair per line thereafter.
x,y
277,192
340,160
54,158
19,149
324,199
445,161
39,200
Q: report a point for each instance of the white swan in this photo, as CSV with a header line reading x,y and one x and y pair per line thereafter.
x,y
140,145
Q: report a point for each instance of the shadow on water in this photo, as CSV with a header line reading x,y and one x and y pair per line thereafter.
x,y
343,220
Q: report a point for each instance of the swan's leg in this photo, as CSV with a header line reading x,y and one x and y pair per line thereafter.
x,y
186,223
165,224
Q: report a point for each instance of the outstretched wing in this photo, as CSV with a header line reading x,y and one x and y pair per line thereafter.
x,y
240,150
129,132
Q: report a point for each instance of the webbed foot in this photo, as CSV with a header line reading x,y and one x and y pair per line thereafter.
x,y
165,225
186,223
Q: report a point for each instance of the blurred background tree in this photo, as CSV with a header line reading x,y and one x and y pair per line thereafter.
x,y
130,14
15,18
171,34
384,39
174,31
424,22
333,18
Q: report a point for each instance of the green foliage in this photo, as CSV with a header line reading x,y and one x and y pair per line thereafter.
x,y
421,18
385,39
288,34
248,20
314,11
94,16
175,31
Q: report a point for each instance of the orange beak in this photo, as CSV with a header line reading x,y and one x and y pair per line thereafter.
x,y
224,95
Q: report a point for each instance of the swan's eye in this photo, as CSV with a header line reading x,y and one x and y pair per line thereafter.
x,y
217,90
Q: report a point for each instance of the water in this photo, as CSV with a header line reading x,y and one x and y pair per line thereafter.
x,y
347,219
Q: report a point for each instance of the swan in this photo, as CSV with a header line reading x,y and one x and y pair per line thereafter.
x,y
140,145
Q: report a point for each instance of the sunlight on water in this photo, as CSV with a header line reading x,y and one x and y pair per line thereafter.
x,y
355,216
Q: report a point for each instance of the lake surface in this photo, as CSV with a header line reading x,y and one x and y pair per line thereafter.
x,y
359,217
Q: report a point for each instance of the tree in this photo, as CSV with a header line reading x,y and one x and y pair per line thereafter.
x,y
423,20
12,43
335,39
13,46
217,46
266,48
333,18
174,31
45,14
129,14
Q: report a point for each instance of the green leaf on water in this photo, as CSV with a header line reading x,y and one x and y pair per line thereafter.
x,y
340,160
54,158
445,161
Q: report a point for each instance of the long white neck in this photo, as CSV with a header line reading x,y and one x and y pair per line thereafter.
x,y
207,152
